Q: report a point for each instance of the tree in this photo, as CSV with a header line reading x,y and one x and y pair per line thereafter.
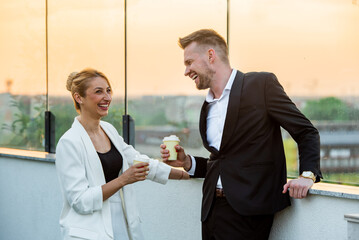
x,y
27,129
330,109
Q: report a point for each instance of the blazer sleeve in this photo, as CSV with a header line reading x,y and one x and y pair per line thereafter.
x,y
82,197
285,112
201,167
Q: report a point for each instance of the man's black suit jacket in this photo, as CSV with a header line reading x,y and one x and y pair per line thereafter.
x,y
251,158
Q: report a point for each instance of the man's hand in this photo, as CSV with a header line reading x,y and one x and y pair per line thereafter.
x,y
182,159
298,188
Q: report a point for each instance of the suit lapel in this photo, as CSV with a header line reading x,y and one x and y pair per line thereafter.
x,y
92,156
203,126
203,123
127,195
233,108
116,142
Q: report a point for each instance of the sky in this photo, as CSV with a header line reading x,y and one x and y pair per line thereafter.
x,y
311,45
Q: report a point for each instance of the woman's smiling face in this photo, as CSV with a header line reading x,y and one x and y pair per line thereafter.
x,y
98,98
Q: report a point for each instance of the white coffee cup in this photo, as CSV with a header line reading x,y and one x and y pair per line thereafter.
x,y
171,142
140,158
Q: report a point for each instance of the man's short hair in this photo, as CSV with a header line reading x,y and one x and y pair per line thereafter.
x,y
207,37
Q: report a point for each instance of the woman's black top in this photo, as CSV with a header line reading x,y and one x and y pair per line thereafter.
x,y
111,163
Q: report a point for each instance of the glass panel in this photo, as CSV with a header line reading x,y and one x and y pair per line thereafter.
x,y
314,54
312,47
161,100
85,34
22,74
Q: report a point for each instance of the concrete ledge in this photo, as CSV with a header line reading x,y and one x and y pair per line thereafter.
x,y
32,204
324,189
353,226
352,218
27,154
335,190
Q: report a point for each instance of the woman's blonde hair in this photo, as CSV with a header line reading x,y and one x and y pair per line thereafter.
x,y
78,82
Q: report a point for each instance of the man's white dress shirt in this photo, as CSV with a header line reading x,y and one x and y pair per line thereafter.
x,y
215,120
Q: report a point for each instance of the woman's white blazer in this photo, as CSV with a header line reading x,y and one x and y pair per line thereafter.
x,y
85,215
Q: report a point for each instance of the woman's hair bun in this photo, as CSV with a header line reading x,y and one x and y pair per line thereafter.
x,y
70,79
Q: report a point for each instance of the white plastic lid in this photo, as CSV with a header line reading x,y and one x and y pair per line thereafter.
x,y
171,138
142,158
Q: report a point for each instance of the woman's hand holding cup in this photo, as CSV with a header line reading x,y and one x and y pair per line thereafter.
x,y
136,172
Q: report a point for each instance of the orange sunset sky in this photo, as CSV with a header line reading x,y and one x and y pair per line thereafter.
x,y
311,45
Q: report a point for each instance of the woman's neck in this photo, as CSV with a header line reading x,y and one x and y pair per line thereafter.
x,y
91,125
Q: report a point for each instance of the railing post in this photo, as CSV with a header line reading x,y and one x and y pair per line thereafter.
x,y
128,127
49,132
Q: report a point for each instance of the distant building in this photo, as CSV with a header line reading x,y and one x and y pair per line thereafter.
x,y
339,146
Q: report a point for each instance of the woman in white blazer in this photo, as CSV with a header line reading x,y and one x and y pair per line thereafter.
x,y
96,170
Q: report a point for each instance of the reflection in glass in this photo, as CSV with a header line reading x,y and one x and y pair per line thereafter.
x,y
22,75
312,47
163,101
84,34
314,53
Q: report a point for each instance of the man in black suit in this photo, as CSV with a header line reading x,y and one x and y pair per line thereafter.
x,y
245,176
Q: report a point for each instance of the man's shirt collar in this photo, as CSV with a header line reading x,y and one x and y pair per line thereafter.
x,y
226,90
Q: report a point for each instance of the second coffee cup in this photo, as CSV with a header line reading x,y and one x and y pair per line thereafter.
x,y
171,142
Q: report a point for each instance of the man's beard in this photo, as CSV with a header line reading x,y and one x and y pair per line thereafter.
x,y
205,79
